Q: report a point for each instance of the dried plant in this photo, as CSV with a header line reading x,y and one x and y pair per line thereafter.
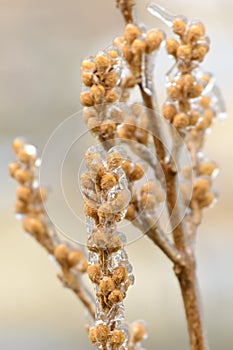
x,y
122,111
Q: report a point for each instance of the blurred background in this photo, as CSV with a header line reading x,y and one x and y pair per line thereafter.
x,y
42,45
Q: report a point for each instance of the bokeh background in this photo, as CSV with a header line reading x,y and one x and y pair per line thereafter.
x,y
42,44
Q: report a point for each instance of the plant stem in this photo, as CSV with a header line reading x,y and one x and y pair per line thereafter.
x,y
190,294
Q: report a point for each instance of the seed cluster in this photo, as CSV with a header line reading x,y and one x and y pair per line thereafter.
x,y
106,196
29,207
135,44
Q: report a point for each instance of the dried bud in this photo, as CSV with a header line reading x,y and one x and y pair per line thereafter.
x,y
61,253
23,176
179,27
111,96
101,333
193,118
180,120
119,275
117,339
23,193
110,79
129,82
91,335
91,212
184,52
108,181
17,145
86,99
205,101
21,207
195,31
153,40
33,226
87,65
102,63
115,296
138,47
172,46
137,332
99,237
200,188
75,257
12,167
97,93
114,244
114,160
195,91
24,157
130,214
206,168
137,173
87,79
131,32
173,92
169,111
199,52
207,200
86,182
106,285
94,273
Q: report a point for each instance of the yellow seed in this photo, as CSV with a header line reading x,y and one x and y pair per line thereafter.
x,y
195,31
169,111
12,167
23,176
33,226
110,79
97,93
184,52
17,145
200,188
23,193
173,92
111,96
137,332
87,65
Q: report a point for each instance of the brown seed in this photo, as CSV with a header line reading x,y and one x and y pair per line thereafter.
x,y
61,253
117,339
94,273
114,160
199,52
205,101
137,332
113,54
100,238
106,285
23,176
119,275
138,47
108,181
87,79
193,118
101,333
137,173
169,111
97,93
86,99
24,157
206,168
91,335
23,193
75,257
130,214
115,296
172,46
126,166
153,40
17,145
184,52
33,226
173,92
111,96
87,65
114,244
207,200
110,79
195,91
21,207
195,31
102,63
179,27
131,32
200,188
12,167
180,120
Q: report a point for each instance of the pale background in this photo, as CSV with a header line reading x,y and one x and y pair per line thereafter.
x,y
42,44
